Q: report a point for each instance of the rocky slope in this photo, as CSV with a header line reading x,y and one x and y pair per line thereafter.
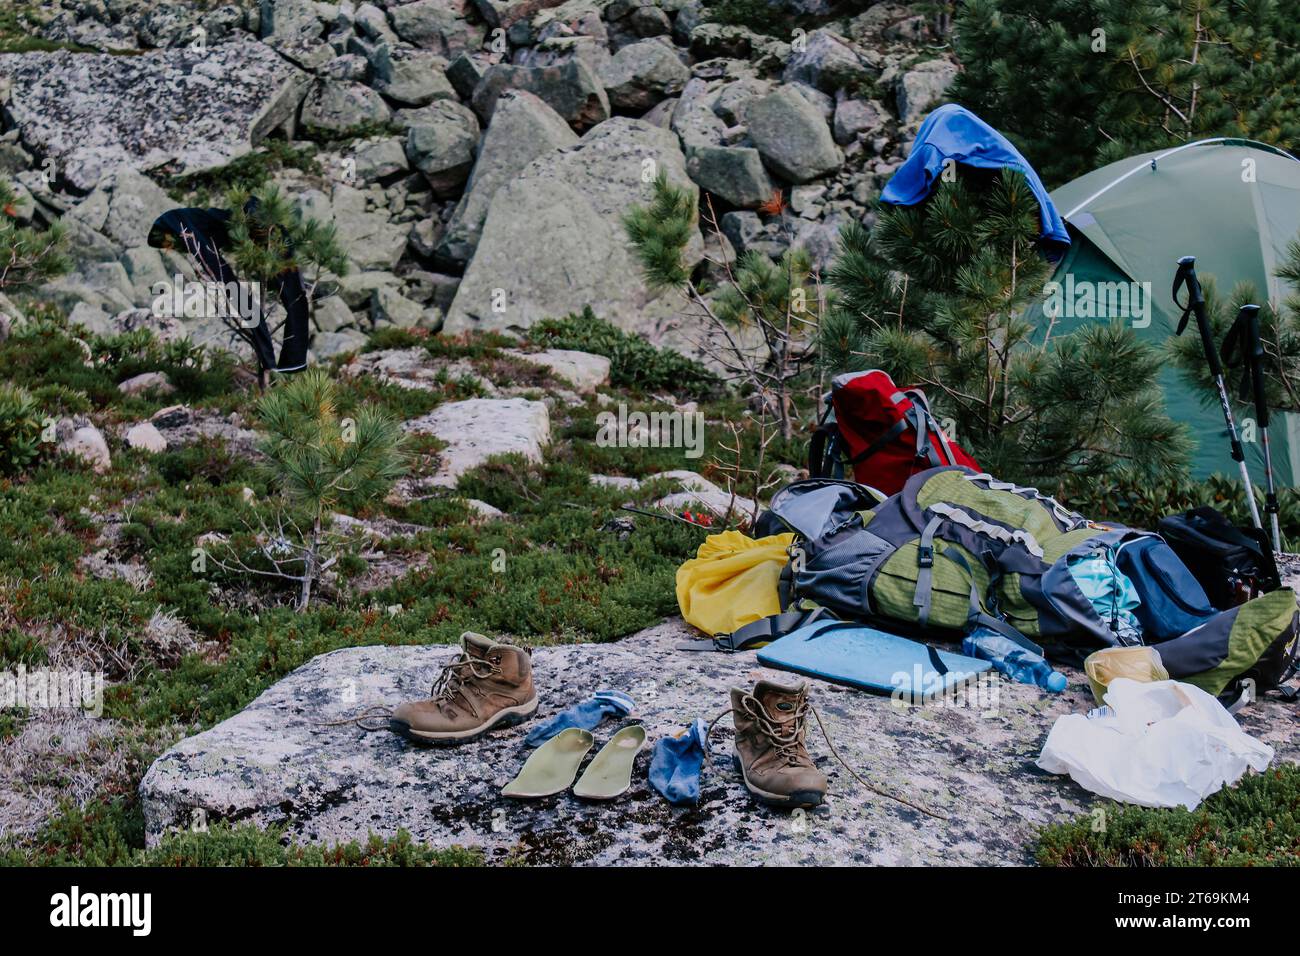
x,y
476,157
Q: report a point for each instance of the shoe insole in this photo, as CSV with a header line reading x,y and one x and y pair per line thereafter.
x,y
610,772
552,766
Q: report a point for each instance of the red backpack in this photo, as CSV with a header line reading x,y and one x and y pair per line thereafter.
x,y
885,433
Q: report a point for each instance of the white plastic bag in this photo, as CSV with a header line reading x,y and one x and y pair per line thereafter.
x,y
1162,744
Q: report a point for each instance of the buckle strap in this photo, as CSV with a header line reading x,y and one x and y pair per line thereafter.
x,y
925,574
1071,520
755,633
996,532
918,398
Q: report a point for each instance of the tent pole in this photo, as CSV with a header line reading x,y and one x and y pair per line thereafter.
x,y
1154,160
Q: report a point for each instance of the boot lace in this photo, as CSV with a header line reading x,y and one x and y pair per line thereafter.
x,y
451,682
786,736
789,743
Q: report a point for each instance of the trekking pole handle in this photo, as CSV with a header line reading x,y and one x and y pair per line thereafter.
x,y
1253,351
1186,275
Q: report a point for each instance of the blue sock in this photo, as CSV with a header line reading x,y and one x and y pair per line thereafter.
x,y
676,764
587,715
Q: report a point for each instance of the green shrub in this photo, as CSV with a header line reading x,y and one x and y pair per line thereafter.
x,y
1256,823
20,429
757,15
194,371
246,845
468,345
634,362
19,648
111,833
12,721
249,172
43,354
393,337
57,400
207,460
1142,503
28,256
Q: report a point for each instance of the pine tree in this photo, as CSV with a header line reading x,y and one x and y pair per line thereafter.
x,y
321,461
28,256
270,236
1076,84
777,302
935,295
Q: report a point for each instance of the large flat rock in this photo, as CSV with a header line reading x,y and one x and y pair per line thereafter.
x,y
275,764
94,113
478,428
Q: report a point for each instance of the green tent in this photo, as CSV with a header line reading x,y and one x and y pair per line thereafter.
x,y
1232,203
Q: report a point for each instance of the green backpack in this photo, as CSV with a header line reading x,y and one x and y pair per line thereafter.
x,y
954,549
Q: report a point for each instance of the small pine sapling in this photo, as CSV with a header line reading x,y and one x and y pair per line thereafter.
x,y
777,304
319,460
28,256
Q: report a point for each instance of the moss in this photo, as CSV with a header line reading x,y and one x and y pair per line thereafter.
x,y
1256,823
111,833
246,173
634,362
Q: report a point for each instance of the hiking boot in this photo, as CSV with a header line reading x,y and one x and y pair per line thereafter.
x,y
489,685
771,724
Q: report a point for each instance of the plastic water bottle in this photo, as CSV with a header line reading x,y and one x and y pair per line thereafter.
x,y
1013,660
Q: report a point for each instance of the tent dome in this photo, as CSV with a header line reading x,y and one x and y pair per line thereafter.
x,y
1234,204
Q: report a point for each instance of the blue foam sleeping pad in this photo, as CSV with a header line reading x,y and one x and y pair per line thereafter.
x,y
868,658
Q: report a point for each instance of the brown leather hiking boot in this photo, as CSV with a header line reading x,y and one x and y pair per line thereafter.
x,y
771,724
489,685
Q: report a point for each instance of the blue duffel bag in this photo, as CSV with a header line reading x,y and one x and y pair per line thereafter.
x,y
1173,601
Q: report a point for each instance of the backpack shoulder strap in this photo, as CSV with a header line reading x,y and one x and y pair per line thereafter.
x,y
886,437
826,447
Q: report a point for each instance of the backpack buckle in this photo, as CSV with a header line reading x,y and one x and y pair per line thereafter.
x,y
725,643
925,556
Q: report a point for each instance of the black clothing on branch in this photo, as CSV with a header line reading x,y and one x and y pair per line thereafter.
x,y
205,235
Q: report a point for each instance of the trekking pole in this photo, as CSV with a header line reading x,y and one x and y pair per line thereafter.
x,y
1186,275
1244,335
663,516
